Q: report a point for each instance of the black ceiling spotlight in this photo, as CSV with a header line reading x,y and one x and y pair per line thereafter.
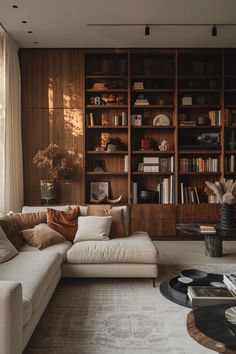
x,y
147,30
214,31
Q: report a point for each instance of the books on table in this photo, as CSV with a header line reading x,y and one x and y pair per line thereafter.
x,y
207,229
210,295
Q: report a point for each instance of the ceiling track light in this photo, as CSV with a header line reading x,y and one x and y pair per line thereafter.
x,y
147,30
214,31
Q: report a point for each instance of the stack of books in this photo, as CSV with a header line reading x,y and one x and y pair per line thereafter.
x,y
215,118
207,229
138,85
166,191
213,295
157,164
141,102
188,123
189,195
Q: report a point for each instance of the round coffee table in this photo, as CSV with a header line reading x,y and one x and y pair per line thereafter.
x,y
209,327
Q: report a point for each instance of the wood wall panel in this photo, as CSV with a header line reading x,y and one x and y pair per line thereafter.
x,y
52,112
200,212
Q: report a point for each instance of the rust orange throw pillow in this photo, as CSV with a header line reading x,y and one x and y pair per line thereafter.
x,y
64,222
25,221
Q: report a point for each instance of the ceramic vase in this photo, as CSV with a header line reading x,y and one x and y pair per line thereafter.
x,y
227,220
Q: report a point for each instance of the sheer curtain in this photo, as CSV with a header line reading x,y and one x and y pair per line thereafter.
x,y
11,165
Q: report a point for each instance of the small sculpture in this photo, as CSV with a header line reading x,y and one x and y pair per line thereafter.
x,y
164,146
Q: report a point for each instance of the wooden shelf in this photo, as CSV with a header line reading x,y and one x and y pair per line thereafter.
x,y
233,106
201,106
153,77
155,152
152,173
113,77
198,173
230,173
122,152
106,90
107,127
107,173
153,127
200,127
200,90
152,90
230,152
118,106
230,126
190,77
154,106
200,152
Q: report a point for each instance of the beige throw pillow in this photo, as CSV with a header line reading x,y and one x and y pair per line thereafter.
x,y
7,250
93,228
42,236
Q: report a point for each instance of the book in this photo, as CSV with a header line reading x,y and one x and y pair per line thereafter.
x,y
207,229
230,282
210,295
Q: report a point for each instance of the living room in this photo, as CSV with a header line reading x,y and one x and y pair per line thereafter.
x,y
118,189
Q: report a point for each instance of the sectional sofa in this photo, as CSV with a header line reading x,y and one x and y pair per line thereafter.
x,y
28,280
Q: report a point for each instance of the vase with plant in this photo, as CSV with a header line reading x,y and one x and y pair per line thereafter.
x,y
225,190
59,164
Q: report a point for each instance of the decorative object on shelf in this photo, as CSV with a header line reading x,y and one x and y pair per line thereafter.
x,y
141,101
99,166
98,191
110,99
104,119
105,137
146,143
183,118
99,86
161,120
232,142
114,144
148,196
208,139
58,161
138,85
96,101
164,146
136,120
202,120
225,190
201,100
114,201
162,101
103,198
187,101
48,190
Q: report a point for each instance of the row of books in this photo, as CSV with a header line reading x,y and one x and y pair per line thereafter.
x,y
157,164
199,164
213,295
188,195
230,163
166,191
215,118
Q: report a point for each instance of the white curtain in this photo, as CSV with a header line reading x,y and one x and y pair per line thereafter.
x,y
11,164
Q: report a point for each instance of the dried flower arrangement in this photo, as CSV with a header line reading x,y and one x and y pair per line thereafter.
x,y
59,162
225,190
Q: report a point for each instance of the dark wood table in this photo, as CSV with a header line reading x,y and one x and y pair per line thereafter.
x,y
213,242
209,327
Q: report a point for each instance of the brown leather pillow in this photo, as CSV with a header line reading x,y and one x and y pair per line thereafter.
x,y
97,210
64,222
118,229
42,236
29,220
10,230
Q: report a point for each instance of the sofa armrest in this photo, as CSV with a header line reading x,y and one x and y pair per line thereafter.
x,y
11,315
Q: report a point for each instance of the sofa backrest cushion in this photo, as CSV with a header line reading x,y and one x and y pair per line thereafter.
x,y
7,250
64,222
42,236
8,226
29,220
93,228
36,209
118,228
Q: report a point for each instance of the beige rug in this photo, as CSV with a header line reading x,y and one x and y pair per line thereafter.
x,y
115,316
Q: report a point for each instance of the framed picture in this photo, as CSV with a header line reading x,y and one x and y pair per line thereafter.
x,y
98,190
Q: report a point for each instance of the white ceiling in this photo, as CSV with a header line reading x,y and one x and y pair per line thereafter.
x,y
63,23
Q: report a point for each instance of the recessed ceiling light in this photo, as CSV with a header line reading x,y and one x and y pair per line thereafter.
x,y
24,21
30,32
15,6
36,42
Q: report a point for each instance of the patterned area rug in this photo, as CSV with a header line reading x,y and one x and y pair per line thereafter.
x,y
116,316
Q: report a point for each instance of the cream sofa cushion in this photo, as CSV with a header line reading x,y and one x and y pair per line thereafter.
x,y
137,248
60,248
95,228
37,209
35,271
7,250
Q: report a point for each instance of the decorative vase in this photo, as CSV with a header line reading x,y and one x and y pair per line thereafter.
x,y
227,216
48,190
